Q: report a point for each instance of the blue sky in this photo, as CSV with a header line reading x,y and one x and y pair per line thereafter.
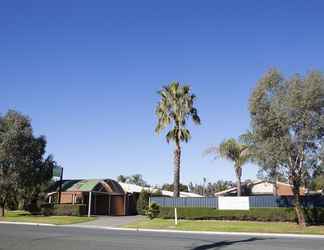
x,y
87,73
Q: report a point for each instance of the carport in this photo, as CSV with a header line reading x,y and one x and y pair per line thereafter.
x,y
102,197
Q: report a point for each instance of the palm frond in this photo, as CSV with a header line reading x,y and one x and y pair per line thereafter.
x,y
174,108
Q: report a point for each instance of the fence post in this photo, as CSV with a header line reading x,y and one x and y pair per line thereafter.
x,y
89,205
175,216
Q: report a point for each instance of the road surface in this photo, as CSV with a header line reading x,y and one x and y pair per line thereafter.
x,y
23,237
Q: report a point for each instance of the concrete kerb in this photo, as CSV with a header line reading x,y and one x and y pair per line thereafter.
x,y
27,223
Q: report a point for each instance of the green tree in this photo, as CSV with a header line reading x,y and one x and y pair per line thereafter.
x,y
122,178
137,179
269,168
233,151
175,107
287,124
211,188
23,170
170,187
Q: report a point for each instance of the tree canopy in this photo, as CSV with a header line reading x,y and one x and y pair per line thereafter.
x,y
287,125
23,168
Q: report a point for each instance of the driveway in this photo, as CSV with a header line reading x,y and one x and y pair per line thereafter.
x,y
112,221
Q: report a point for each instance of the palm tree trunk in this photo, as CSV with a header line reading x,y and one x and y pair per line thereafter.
x,y
238,171
176,179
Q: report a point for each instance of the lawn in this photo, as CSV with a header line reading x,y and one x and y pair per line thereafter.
x,y
22,216
227,226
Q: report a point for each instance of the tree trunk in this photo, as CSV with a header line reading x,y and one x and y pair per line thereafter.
x,y
238,176
276,185
2,210
176,179
298,208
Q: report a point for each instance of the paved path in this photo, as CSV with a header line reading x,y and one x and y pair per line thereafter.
x,y
22,237
112,221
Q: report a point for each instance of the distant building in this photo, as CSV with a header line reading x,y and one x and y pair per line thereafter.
x,y
132,188
262,188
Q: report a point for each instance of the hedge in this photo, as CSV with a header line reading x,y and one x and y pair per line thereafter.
x,y
312,215
64,209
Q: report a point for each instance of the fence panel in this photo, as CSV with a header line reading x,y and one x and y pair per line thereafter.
x,y
263,201
203,202
254,201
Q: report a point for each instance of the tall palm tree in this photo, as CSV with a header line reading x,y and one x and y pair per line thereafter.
x,y
175,107
234,151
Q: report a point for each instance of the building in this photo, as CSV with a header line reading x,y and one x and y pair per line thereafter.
x,y
105,196
262,188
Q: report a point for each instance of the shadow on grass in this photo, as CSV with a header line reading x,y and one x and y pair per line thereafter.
x,y
220,244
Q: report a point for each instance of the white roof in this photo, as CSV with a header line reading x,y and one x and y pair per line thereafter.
x,y
132,188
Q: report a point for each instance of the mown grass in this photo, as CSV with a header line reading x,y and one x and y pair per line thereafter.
x,y
23,216
227,226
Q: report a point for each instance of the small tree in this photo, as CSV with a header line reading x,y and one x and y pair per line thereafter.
x,y
287,124
233,151
143,202
153,211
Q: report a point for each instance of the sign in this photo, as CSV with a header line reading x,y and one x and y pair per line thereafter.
x,y
57,171
233,203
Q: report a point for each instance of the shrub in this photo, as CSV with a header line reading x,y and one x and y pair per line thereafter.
x,y
64,209
153,211
314,215
142,202
256,214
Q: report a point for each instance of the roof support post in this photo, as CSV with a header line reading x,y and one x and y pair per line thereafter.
x,y
89,205
125,204
109,201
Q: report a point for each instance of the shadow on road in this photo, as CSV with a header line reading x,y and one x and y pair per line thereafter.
x,y
220,244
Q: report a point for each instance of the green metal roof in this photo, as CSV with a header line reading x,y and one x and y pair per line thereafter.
x,y
84,185
78,185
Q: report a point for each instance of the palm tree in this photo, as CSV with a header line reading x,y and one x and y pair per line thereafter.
x,y
234,151
174,109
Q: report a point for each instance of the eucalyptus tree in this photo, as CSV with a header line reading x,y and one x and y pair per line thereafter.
x,y
23,169
287,123
269,168
234,151
175,107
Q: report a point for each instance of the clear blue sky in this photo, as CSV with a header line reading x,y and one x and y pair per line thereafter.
x,y
87,73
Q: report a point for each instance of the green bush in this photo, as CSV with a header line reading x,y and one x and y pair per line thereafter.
x,y
208,213
153,211
142,202
313,216
64,209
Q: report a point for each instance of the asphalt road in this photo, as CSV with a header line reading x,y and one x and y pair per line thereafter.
x,y
22,237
